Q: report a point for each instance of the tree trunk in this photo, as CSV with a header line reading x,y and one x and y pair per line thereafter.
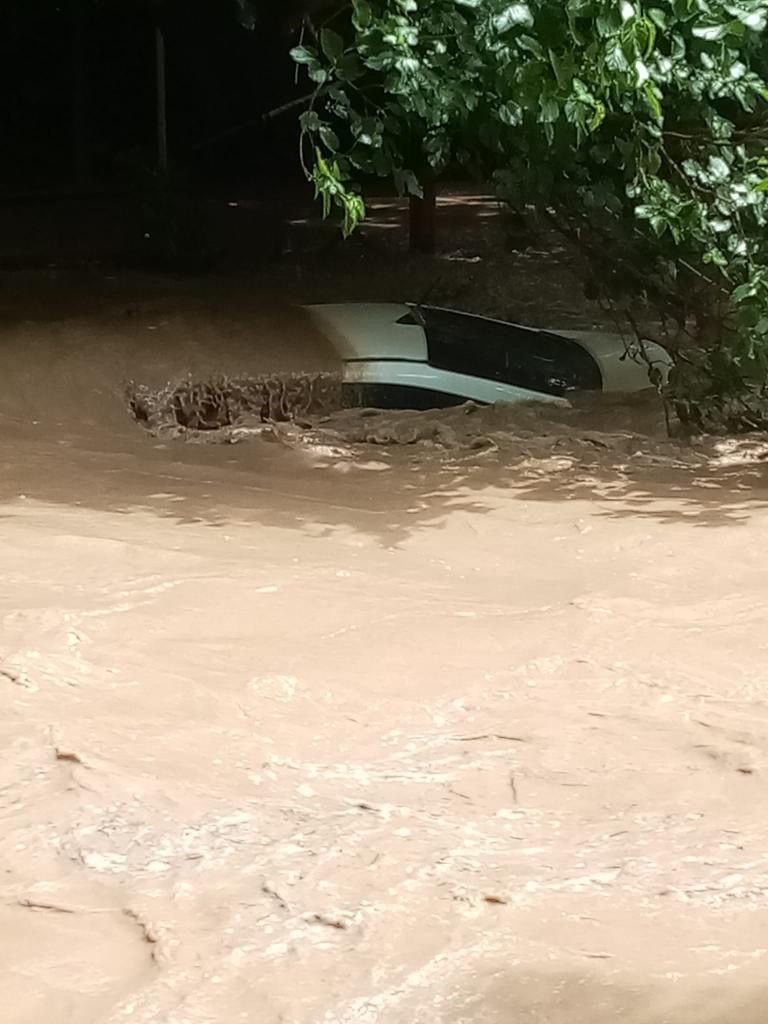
x,y
162,123
422,220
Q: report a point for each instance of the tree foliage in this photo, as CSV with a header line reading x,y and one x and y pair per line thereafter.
x,y
637,128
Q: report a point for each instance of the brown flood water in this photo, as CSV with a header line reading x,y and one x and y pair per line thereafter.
x,y
363,734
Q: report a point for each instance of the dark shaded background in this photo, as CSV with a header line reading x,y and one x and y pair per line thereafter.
x,y
80,180
78,107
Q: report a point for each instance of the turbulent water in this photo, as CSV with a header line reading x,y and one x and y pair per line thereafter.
x,y
367,717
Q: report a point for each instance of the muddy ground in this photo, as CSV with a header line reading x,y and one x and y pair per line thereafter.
x,y
324,728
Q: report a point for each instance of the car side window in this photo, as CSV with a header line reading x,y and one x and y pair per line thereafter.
x,y
509,353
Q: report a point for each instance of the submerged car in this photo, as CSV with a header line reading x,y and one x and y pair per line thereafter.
x,y
424,357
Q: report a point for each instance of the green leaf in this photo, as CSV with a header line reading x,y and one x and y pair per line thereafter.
x,y
310,121
658,224
598,116
615,58
743,291
511,114
362,15
550,109
407,183
561,71
304,55
531,45
653,100
328,137
711,33
331,44
512,16
645,36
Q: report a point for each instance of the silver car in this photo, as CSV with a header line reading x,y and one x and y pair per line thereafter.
x,y
423,357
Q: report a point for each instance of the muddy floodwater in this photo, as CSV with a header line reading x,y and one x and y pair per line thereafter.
x,y
451,719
